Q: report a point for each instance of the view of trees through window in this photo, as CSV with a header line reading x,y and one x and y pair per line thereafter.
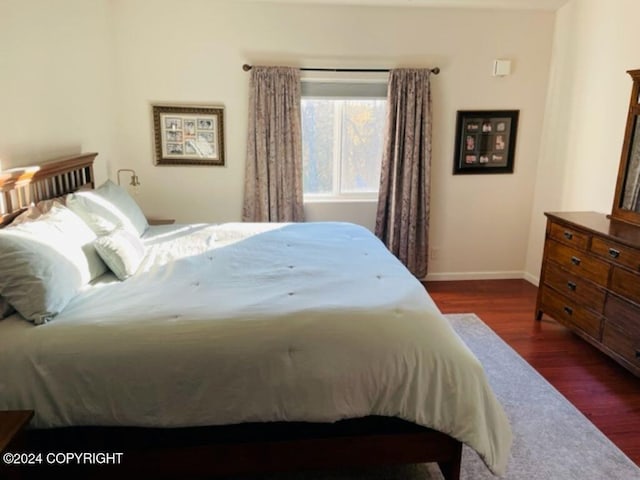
x,y
342,145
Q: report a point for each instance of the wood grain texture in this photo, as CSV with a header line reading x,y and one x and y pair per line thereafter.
x,y
20,187
609,263
11,424
600,388
627,147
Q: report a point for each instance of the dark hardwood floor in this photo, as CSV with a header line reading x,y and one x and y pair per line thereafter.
x,y
602,390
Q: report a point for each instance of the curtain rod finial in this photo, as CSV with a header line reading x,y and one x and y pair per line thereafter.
x,y
435,70
246,67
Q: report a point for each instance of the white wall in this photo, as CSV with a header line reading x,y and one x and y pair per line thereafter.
x,y
56,81
80,76
586,111
194,54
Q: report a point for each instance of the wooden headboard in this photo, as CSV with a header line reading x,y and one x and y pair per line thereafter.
x,y
20,187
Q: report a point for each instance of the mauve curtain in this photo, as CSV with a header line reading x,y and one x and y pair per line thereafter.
x,y
402,220
273,175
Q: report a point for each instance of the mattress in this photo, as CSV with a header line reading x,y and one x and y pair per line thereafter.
x,y
241,322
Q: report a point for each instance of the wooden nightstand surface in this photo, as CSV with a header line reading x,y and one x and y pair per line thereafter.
x,y
160,221
11,423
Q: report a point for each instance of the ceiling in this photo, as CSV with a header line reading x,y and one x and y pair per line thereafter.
x,y
500,4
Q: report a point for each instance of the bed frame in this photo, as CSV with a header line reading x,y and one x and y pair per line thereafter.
x,y
220,450
21,187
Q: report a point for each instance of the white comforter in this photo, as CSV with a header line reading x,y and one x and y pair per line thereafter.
x,y
254,322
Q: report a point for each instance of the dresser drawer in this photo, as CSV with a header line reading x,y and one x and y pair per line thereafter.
x,y
625,345
570,236
624,315
590,281
616,252
574,288
578,263
570,313
626,284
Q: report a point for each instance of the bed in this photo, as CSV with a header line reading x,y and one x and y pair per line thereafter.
x,y
242,348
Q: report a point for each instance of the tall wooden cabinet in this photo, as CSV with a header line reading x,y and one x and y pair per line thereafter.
x,y
590,278
590,281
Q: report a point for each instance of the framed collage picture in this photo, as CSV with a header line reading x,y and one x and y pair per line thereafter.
x,y
188,135
485,141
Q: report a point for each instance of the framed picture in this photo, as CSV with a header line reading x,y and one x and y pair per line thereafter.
x,y
188,135
485,141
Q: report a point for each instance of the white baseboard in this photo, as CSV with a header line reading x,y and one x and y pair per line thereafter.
x,y
478,276
532,279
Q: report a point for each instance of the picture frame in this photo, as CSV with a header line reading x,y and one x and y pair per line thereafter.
x,y
485,141
188,134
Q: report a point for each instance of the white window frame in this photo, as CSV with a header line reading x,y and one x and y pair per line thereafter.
x,y
336,79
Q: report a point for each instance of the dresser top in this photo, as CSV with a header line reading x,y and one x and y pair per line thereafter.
x,y
602,224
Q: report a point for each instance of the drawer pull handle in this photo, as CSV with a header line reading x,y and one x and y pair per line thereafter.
x,y
568,310
572,286
637,353
568,235
575,260
614,253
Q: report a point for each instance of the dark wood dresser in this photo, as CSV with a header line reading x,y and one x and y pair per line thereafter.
x,y
590,282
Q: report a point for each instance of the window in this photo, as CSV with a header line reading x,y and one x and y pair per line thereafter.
x,y
342,135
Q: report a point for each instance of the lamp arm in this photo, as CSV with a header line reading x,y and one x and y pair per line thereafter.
x,y
134,178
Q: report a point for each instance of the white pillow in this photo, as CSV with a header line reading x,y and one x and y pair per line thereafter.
x,y
33,212
45,263
30,214
121,251
108,207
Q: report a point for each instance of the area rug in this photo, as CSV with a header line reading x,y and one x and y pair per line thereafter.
x,y
552,439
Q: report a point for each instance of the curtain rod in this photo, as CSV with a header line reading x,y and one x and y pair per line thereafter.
x,y
435,70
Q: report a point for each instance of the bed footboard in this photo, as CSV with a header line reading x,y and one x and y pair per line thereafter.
x,y
251,448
